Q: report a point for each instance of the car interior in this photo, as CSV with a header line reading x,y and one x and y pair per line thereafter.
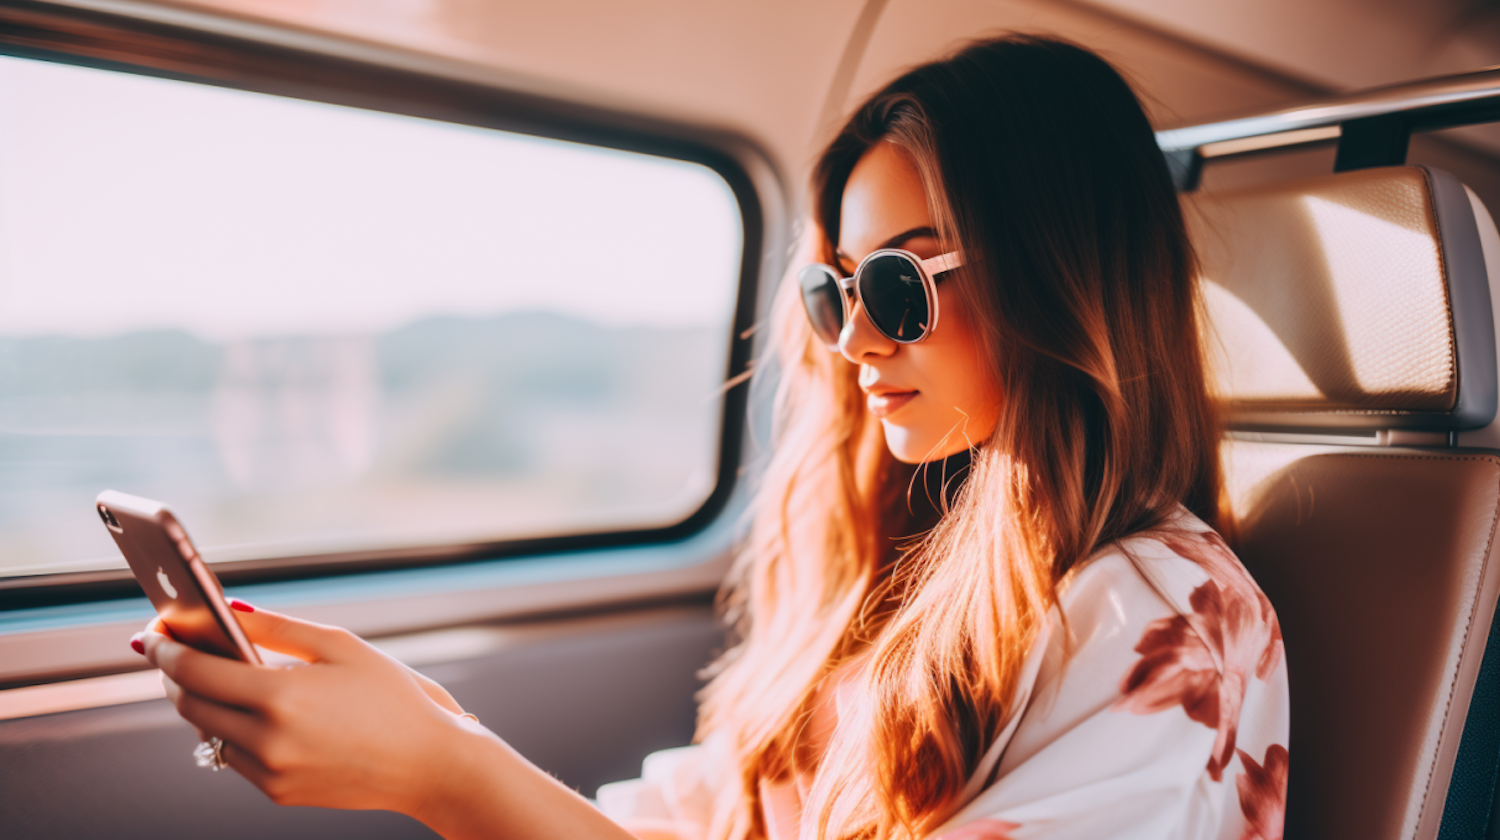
x,y
223,228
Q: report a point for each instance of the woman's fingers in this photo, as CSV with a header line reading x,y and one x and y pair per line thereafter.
x,y
305,640
223,680
245,764
214,719
353,729
155,625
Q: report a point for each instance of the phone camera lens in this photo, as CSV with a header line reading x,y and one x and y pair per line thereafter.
x,y
109,519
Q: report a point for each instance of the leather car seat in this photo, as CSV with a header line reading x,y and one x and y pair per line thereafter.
x,y
1351,326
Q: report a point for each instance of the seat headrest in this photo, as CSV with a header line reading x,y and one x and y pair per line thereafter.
x,y
1351,301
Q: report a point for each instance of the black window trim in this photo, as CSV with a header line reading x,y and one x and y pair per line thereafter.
x,y
120,43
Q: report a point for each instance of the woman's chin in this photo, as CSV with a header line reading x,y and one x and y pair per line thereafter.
x,y
911,447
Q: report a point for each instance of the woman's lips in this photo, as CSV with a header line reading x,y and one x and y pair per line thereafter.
x,y
888,402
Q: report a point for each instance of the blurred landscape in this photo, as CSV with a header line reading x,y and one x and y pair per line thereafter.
x,y
444,430
313,328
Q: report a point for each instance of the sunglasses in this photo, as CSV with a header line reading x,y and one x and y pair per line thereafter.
x,y
895,287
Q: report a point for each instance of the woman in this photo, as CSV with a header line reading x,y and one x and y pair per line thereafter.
x,y
983,596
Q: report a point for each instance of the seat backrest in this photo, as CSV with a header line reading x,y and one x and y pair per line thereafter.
x,y
1351,325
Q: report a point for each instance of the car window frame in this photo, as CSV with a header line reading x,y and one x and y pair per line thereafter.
x,y
264,59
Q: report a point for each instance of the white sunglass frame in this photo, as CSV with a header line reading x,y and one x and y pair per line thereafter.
x,y
927,271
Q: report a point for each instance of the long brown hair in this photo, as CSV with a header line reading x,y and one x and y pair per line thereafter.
x,y
1038,161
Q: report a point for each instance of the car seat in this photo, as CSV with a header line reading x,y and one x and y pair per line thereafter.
x,y
1351,330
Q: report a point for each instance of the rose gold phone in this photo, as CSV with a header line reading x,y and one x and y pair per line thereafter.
x,y
180,585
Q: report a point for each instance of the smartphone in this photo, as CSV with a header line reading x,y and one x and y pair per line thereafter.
x,y
181,586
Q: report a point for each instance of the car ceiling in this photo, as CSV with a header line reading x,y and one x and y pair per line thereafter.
x,y
781,71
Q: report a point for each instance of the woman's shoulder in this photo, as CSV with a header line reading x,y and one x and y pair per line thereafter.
x,y
1176,627
1158,706
1181,570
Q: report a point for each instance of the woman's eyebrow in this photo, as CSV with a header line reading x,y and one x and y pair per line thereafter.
x,y
902,238
894,242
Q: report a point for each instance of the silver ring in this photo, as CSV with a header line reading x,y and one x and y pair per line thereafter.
x,y
210,754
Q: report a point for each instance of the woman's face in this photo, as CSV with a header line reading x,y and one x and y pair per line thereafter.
x,y
935,397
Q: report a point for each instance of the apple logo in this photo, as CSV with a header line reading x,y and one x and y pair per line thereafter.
x,y
166,583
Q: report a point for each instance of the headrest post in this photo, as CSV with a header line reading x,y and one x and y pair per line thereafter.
x,y
1373,141
1184,165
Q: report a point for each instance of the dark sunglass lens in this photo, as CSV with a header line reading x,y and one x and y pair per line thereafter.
x,y
824,301
891,287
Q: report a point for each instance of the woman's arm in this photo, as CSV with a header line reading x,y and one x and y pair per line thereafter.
x,y
496,792
356,729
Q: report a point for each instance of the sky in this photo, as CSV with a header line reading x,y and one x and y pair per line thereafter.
x,y
130,203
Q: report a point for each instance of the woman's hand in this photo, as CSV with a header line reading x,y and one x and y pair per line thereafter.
x,y
353,729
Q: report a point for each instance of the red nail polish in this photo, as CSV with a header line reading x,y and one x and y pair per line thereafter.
x,y
137,645
237,604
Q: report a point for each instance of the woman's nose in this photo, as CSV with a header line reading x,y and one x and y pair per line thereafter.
x,y
859,339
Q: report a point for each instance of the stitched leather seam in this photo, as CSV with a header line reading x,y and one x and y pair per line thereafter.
x,y
1473,605
1463,651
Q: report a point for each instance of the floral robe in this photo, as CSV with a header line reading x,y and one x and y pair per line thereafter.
x,y
1168,721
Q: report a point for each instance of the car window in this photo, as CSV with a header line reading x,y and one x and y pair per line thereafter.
x,y
312,328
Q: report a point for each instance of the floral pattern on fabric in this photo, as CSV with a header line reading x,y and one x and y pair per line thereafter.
x,y
1262,789
1209,551
1203,661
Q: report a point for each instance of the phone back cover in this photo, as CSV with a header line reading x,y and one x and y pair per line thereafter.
x,y
162,558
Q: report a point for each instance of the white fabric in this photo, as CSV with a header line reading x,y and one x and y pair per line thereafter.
x,y
1169,719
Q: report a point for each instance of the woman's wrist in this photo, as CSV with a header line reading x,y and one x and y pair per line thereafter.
x,y
482,788
463,761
